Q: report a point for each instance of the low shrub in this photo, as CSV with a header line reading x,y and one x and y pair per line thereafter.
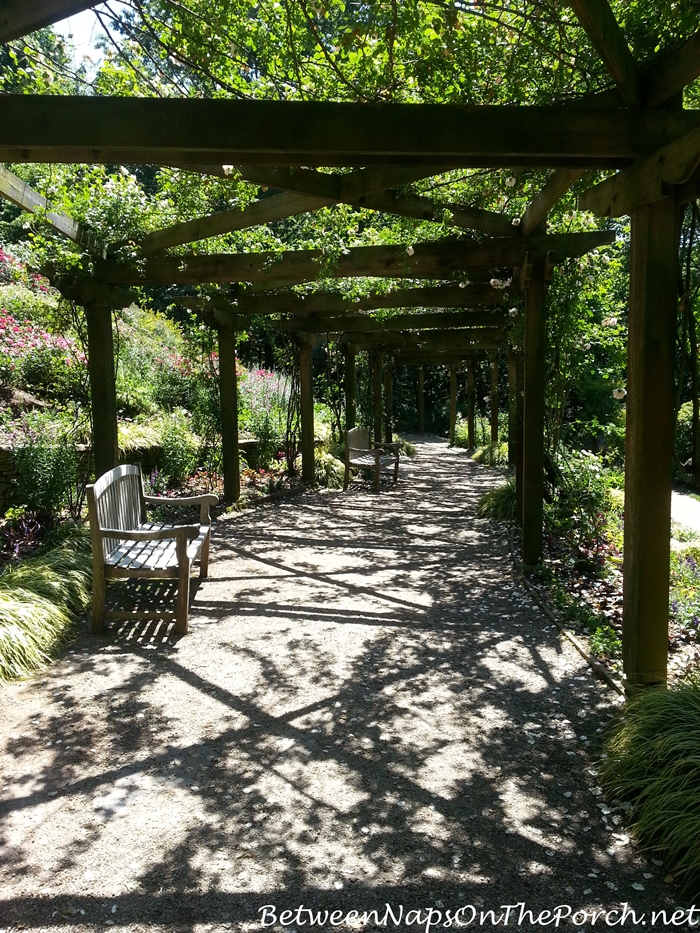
x,y
491,455
653,766
329,472
39,598
179,448
498,504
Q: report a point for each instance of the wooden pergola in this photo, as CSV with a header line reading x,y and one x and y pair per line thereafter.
x,y
636,128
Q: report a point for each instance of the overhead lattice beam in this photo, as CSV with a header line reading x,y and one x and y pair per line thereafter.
x,y
20,17
605,34
364,324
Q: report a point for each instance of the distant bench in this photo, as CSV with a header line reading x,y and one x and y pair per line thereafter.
x,y
125,544
361,454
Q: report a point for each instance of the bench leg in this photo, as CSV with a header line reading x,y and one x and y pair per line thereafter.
x,y
396,471
204,560
183,598
98,598
376,480
347,477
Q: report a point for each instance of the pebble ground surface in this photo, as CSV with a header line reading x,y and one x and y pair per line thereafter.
x,y
369,713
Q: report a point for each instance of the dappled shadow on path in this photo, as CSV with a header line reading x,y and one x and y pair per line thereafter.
x,y
368,710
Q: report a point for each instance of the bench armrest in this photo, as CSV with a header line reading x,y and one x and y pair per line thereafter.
x,y
204,503
394,446
179,531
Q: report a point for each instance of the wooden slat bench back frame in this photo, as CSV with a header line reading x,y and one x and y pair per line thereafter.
x,y
361,454
125,544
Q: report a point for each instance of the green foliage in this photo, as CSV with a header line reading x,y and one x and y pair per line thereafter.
x,y
492,455
178,457
498,504
685,588
652,764
684,433
406,448
38,600
605,641
329,472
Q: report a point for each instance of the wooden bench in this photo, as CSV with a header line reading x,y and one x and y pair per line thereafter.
x,y
363,455
125,544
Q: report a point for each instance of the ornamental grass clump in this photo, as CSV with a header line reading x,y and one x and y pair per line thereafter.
x,y
39,599
653,766
491,455
498,504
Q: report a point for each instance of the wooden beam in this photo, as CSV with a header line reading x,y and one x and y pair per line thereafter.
x,y
471,406
20,193
347,187
219,131
264,211
228,391
649,180
533,416
661,80
331,303
493,365
388,401
433,340
412,357
557,185
350,387
306,406
606,36
452,215
376,366
421,398
649,441
103,393
420,322
20,17
440,259
453,404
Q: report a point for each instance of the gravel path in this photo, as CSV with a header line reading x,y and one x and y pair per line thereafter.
x,y
685,510
368,710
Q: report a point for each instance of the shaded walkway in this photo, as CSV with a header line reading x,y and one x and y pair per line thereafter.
x,y
368,710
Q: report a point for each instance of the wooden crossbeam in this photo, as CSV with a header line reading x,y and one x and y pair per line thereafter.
x,y
645,182
666,76
444,358
603,30
364,324
336,187
218,131
434,341
20,17
476,295
437,260
20,193
260,212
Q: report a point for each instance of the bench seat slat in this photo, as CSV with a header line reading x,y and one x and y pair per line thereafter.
x,y
153,555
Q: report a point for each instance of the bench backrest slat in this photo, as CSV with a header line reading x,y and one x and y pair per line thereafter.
x,y
359,438
117,502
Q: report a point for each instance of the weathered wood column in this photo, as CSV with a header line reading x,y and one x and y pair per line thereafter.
x,y
306,408
649,441
377,396
471,406
103,393
533,416
350,387
493,362
228,392
421,400
388,401
453,404
512,390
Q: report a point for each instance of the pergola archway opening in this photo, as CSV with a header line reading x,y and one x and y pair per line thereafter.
x,y
635,128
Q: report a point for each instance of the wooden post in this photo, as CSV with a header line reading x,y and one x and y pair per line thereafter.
x,y
453,404
471,406
493,362
377,396
533,416
649,441
103,393
308,471
519,437
350,388
512,396
228,391
388,402
421,400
